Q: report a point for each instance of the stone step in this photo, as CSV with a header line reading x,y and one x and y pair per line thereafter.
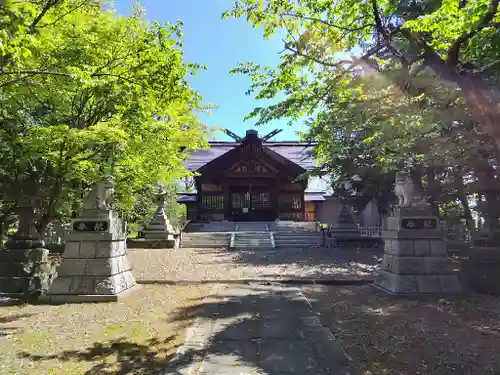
x,y
211,236
205,240
295,235
206,235
252,240
258,239
286,240
253,235
296,245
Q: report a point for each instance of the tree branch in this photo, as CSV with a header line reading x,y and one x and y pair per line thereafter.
x,y
15,80
116,76
327,23
454,51
386,35
61,74
378,22
65,14
315,59
45,9
35,72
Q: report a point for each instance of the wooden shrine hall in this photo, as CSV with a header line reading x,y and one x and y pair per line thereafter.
x,y
251,179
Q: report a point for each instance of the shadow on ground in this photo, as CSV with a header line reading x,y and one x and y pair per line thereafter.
x,y
383,334
10,318
306,263
253,330
128,357
434,335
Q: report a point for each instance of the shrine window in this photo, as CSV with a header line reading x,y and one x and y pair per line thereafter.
x,y
290,201
212,202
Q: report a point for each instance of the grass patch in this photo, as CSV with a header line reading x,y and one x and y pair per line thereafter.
x,y
134,336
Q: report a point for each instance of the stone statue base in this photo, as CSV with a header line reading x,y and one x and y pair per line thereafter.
x,y
95,266
415,257
26,272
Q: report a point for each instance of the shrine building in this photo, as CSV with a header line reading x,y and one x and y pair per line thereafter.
x,y
254,179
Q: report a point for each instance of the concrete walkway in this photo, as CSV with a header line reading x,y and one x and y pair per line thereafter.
x,y
258,329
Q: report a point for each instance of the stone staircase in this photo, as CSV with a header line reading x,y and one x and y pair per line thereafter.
x,y
253,226
285,234
293,226
205,239
252,240
290,234
297,239
216,226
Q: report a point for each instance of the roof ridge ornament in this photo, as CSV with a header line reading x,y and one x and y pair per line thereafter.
x,y
251,133
237,138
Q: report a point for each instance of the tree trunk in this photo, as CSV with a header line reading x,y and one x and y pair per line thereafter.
x,y
433,190
481,98
462,196
2,233
487,185
50,211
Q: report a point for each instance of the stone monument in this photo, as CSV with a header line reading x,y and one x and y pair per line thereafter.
x,y
27,270
159,233
480,265
415,257
95,266
159,227
345,228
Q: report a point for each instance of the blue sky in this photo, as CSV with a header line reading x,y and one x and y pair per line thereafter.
x,y
221,45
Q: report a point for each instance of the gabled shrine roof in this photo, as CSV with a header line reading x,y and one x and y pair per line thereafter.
x,y
297,152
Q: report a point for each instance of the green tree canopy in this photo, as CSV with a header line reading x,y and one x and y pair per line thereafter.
x,y
85,92
386,83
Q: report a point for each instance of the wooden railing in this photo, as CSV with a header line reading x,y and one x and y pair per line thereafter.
x,y
371,230
453,233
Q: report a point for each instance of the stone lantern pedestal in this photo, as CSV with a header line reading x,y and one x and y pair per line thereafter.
x,y
415,258
95,266
159,234
480,265
27,269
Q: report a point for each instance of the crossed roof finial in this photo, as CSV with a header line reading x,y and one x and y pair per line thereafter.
x,y
237,138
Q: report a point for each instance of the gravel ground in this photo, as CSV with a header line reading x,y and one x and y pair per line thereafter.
x,y
402,336
231,265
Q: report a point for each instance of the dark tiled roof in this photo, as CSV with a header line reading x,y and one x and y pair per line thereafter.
x,y
198,158
186,199
297,152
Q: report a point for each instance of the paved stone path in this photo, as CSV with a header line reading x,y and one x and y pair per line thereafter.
x,y
258,329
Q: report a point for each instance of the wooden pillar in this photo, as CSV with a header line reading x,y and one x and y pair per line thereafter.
x,y
276,196
227,199
273,191
302,200
199,206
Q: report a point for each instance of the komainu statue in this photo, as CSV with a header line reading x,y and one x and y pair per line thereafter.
x,y
409,195
100,196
